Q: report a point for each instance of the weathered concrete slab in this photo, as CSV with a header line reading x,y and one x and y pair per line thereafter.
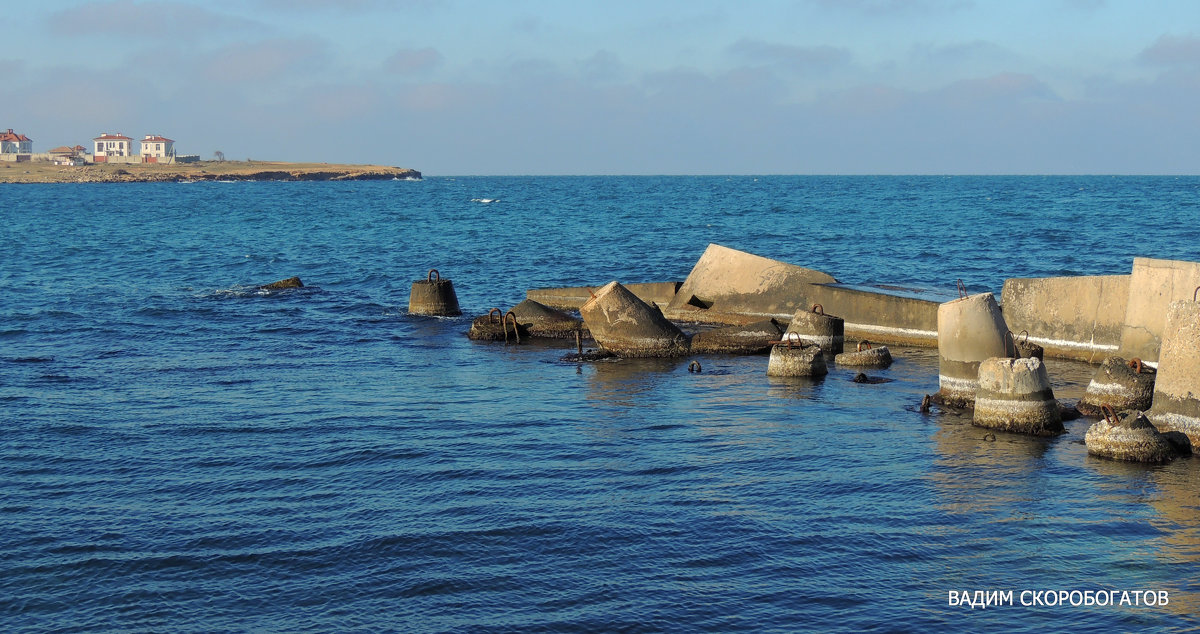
x,y
1153,285
629,327
572,297
731,286
1070,317
880,315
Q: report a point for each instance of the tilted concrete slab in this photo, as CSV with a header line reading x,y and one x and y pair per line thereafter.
x,y
1078,318
572,297
731,286
1153,285
902,316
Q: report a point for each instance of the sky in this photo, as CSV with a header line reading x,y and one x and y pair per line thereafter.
x,y
461,87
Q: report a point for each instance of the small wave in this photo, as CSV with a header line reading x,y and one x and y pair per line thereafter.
x,y
31,359
485,201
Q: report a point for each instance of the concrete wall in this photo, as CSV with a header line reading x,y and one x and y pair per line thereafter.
x,y
731,286
1153,285
876,315
1070,317
571,298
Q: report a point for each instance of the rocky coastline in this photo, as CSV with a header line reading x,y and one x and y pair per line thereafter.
x,y
38,172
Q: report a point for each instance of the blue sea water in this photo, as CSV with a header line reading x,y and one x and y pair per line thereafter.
x,y
183,452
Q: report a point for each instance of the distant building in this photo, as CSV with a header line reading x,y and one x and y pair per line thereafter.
x,y
13,143
155,148
111,145
64,155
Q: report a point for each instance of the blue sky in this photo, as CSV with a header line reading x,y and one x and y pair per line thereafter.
x,y
616,87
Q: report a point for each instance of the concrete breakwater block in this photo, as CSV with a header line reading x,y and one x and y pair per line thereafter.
x,y
970,329
625,325
542,321
731,286
433,296
796,360
497,326
865,356
1120,384
291,282
754,338
815,327
1015,395
1176,403
1130,436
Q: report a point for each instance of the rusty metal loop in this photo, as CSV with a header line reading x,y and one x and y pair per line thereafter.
x,y
962,289
1110,414
516,327
434,276
818,309
862,343
1026,333
1008,336
1195,292
694,366
1136,364
494,311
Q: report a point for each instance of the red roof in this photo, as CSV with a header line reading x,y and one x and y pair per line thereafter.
x,y
13,137
156,139
112,137
62,150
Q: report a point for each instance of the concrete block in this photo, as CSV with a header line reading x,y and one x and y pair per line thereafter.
x,y
731,286
1153,285
1176,404
629,327
970,330
1070,317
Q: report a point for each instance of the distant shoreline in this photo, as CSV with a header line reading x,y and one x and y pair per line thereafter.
x,y
40,172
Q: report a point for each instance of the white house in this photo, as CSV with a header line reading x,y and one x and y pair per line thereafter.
x,y
13,143
111,145
155,147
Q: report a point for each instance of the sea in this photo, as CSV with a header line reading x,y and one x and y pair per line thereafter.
x,y
181,451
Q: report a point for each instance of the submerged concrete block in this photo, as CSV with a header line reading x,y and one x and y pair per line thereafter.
x,y
865,356
731,286
970,330
1070,317
542,321
627,326
1015,395
1176,405
815,327
1153,285
752,338
1119,384
796,360
433,296
1128,436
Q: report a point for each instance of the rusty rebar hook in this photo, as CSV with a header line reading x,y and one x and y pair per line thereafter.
x,y
962,289
1136,364
694,366
434,276
1195,292
494,311
1110,414
818,309
516,326
862,343
1009,337
1026,333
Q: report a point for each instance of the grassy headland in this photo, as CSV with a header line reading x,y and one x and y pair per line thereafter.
x,y
40,172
